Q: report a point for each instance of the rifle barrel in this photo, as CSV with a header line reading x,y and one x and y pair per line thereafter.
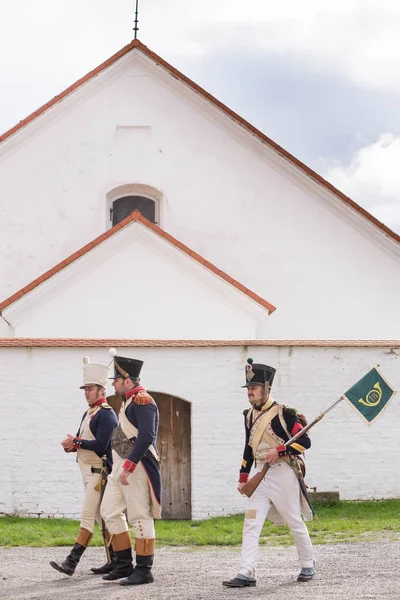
x,y
309,425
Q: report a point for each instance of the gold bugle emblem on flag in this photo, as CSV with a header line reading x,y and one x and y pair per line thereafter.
x,y
373,397
370,395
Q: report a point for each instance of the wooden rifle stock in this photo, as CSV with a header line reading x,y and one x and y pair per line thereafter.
x,y
250,487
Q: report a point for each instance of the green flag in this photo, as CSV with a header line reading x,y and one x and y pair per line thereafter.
x,y
371,395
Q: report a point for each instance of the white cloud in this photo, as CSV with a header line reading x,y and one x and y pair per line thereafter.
x,y
358,39
372,179
47,44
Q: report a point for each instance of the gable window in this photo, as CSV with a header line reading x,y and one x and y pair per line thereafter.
x,y
122,207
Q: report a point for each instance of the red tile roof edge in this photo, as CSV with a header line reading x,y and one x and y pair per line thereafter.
x,y
284,153
136,216
129,343
71,88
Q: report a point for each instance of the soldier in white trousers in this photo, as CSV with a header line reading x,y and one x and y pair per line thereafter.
x,y
279,496
93,450
135,483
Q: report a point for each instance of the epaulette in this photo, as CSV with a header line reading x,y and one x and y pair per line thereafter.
x,y
106,406
143,398
246,410
290,410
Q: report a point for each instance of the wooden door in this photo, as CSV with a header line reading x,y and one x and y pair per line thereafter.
x,y
174,444
115,403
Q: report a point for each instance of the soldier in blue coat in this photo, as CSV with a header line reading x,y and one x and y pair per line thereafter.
x,y
135,483
92,444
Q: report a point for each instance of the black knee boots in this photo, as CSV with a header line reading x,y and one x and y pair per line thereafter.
x,y
142,572
69,565
124,566
108,567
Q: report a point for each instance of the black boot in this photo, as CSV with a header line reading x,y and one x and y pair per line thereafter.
x,y
108,567
124,566
238,582
69,565
142,572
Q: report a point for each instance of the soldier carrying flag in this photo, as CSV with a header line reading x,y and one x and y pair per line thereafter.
x,y
277,489
278,497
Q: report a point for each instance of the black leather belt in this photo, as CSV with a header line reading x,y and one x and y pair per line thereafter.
x,y
94,470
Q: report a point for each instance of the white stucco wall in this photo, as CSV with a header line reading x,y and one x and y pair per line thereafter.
x,y
223,193
136,285
41,402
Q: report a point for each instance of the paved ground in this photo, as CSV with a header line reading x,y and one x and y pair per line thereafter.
x,y
365,571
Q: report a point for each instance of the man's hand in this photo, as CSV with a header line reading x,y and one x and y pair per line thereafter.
x,y
68,443
123,478
239,487
271,456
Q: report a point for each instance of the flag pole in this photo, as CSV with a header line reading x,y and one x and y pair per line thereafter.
x,y
367,391
309,425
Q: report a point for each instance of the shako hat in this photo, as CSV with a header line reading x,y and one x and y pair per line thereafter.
x,y
125,367
94,373
258,374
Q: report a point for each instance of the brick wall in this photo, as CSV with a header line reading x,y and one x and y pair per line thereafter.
x,y
41,402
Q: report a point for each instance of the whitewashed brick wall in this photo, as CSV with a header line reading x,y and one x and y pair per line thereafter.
x,y
41,402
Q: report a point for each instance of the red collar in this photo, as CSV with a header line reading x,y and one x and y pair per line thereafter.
x,y
134,391
98,402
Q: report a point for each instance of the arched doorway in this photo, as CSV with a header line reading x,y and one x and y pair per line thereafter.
x,y
174,445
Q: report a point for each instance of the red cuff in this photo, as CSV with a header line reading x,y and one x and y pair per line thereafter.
x,y
243,477
282,450
129,466
77,442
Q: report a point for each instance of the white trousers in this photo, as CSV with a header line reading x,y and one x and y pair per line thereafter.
x,y
91,504
134,498
280,487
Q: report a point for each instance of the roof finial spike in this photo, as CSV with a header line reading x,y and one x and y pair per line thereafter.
x,y
136,28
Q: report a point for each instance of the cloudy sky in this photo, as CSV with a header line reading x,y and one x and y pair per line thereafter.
x,y
320,78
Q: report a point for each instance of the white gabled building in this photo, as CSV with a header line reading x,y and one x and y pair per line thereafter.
x,y
139,212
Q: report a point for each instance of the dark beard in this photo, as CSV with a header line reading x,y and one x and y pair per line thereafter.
x,y
258,404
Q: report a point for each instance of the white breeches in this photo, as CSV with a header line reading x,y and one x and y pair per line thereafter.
x,y
91,505
134,498
280,487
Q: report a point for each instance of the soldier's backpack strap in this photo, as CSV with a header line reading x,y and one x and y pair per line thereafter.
x,y
105,405
282,421
248,417
299,458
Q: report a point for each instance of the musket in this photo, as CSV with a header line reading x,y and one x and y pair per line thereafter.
x,y
250,487
103,483
162,457
297,470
